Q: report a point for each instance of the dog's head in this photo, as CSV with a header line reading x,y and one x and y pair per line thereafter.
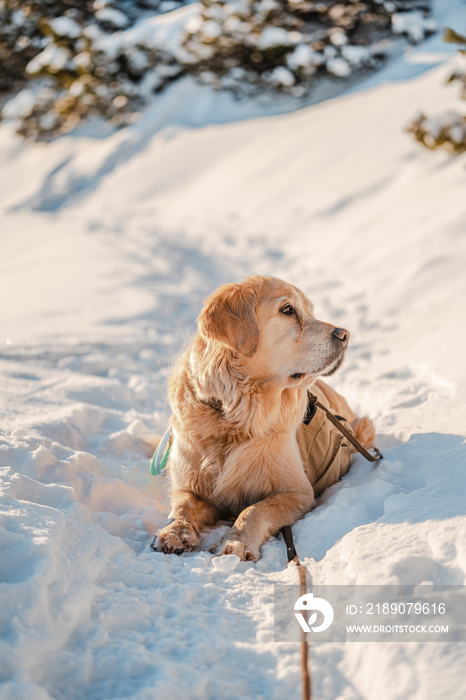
x,y
271,324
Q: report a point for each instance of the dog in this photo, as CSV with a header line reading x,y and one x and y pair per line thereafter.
x,y
239,394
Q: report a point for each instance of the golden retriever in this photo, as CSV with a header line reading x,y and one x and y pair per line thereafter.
x,y
238,396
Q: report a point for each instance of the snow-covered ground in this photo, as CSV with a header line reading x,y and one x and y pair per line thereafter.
x,y
109,243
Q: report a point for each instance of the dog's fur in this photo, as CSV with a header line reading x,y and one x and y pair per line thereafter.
x,y
238,395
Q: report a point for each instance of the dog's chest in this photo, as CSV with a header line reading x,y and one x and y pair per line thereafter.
x,y
247,474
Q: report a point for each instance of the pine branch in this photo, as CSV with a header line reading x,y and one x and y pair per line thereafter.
x,y
452,37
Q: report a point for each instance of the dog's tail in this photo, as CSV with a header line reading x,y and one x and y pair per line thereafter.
x,y
364,431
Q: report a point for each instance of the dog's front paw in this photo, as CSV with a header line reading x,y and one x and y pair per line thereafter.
x,y
235,544
175,538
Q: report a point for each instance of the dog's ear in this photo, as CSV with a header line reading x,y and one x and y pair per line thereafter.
x,y
229,315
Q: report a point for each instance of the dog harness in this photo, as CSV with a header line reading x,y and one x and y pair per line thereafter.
x,y
325,443
325,451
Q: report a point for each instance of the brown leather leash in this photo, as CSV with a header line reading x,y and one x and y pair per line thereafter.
x,y
292,556
291,549
348,434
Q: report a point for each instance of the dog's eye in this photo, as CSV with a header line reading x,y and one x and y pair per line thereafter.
x,y
288,310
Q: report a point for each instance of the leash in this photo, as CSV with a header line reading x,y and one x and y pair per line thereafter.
x,y
349,435
287,533
160,458
305,651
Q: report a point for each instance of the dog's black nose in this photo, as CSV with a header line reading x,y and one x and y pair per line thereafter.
x,y
341,334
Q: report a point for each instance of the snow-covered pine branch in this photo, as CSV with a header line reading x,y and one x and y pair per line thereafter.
x,y
446,130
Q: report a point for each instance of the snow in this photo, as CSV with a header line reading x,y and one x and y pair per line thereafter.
x,y
168,5
414,25
356,55
338,37
163,32
65,26
54,57
339,67
302,57
281,76
273,36
21,105
211,29
110,241
112,16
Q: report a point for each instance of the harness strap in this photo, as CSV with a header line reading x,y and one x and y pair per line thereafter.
x,y
349,435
